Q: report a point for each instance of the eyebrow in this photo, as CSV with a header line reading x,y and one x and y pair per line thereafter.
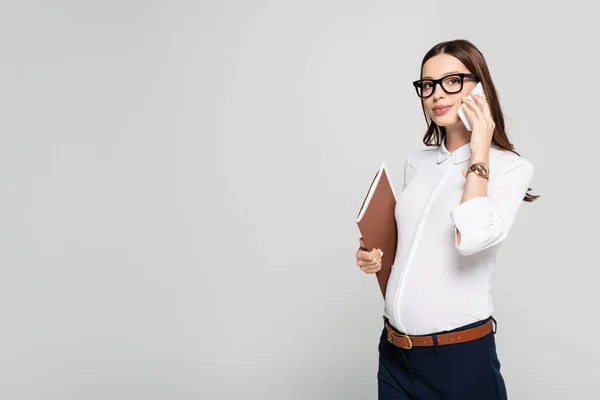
x,y
447,73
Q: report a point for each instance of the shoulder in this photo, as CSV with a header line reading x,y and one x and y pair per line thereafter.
x,y
422,156
416,160
503,162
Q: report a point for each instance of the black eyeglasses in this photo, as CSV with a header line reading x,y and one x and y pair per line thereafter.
x,y
450,84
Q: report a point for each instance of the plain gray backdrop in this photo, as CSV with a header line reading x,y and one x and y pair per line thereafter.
x,y
180,182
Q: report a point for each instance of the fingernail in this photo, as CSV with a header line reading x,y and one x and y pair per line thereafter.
x,y
464,106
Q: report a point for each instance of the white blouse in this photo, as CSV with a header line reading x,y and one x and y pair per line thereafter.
x,y
435,283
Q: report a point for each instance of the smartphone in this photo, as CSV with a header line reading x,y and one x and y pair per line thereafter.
x,y
478,90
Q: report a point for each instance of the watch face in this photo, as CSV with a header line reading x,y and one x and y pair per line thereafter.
x,y
480,169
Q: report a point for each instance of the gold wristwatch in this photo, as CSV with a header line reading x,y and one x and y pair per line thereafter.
x,y
480,169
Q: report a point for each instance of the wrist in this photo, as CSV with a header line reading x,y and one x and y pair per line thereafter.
x,y
479,169
475,159
480,155
480,148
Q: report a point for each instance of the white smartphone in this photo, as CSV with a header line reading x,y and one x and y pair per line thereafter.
x,y
478,90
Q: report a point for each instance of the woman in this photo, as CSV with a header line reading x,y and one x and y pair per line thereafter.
x,y
457,205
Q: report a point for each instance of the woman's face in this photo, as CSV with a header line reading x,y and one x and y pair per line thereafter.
x,y
441,106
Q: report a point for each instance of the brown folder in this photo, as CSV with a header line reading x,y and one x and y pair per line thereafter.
x,y
377,223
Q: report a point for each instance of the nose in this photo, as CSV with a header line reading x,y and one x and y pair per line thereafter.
x,y
438,92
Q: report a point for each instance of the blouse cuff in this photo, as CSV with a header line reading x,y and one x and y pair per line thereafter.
x,y
473,219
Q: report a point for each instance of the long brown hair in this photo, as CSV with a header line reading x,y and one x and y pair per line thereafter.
x,y
472,58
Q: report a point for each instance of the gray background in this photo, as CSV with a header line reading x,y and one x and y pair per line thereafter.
x,y
180,182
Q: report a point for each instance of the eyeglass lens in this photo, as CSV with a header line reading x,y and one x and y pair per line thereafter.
x,y
451,84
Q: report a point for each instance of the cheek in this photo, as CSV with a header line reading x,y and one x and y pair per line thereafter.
x,y
456,99
428,104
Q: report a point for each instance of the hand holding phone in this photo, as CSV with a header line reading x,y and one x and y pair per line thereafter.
x,y
478,90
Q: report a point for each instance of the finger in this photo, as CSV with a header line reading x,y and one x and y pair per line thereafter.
x,y
470,104
372,270
371,255
480,101
485,107
367,263
378,256
372,265
376,253
470,113
367,257
362,253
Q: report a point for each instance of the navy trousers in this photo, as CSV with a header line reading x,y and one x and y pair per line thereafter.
x,y
463,371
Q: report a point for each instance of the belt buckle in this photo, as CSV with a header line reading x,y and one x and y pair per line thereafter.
x,y
410,343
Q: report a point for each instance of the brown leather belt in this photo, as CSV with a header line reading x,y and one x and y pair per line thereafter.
x,y
408,342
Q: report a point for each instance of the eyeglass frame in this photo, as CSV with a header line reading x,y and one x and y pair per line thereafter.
x,y
462,76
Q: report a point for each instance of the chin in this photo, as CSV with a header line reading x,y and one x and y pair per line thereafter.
x,y
446,120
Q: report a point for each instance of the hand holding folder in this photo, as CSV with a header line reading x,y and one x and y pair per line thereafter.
x,y
377,223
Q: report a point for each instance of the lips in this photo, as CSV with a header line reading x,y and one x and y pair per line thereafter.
x,y
441,110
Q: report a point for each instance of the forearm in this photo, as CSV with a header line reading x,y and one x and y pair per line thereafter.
x,y
475,186
480,220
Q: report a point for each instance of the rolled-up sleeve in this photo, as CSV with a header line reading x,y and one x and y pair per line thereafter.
x,y
485,221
